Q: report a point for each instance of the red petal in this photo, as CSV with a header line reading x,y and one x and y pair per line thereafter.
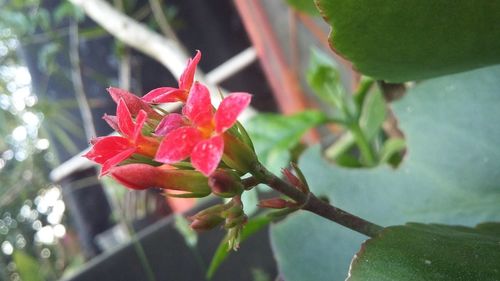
x,y
177,145
187,77
133,102
169,123
164,95
115,160
106,147
139,123
229,110
125,123
207,154
198,107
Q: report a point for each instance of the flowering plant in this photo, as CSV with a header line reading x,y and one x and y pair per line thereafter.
x,y
203,150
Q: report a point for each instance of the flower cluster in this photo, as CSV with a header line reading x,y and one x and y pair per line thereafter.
x,y
175,151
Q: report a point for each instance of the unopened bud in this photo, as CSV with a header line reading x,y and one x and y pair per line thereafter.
x,y
237,154
275,203
225,183
206,222
236,221
294,180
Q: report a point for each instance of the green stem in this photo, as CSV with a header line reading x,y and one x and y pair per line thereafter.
x,y
366,150
311,203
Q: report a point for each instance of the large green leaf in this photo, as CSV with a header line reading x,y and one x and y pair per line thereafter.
x,y
414,39
275,135
450,175
430,252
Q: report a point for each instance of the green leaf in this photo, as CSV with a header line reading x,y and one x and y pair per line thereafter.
x,y
391,147
414,39
324,78
373,114
275,135
27,266
430,252
450,175
305,6
222,252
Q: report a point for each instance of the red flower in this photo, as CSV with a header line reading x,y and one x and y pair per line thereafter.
x,y
199,135
111,150
169,94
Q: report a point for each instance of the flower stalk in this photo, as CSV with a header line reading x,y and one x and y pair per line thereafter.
x,y
311,203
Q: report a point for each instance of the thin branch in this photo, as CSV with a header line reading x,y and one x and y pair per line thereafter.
x,y
161,19
76,77
311,203
137,35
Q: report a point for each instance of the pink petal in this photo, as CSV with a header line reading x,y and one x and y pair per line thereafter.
x,y
187,77
164,95
133,102
198,107
112,121
206,155
229,110
169,123
177,145
125,122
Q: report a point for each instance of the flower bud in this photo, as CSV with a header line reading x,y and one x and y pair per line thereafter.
x,y
142,176
298,182
206,222
237,154
225,183
275,203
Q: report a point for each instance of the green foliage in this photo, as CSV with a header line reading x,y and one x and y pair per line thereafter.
x,y
324,78
414,39
275,135
430,252
450,176
28,267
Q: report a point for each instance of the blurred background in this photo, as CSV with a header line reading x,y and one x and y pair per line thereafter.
x,y
58,221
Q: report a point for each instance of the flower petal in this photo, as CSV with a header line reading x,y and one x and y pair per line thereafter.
x,y
229,110
169,123
106,147
198,107
139,123
206,155
115,160
112,121
133,102
187,77
177,145
164,95
125,122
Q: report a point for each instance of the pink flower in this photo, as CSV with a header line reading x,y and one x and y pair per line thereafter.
x,y
169,94
199,132
112,150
